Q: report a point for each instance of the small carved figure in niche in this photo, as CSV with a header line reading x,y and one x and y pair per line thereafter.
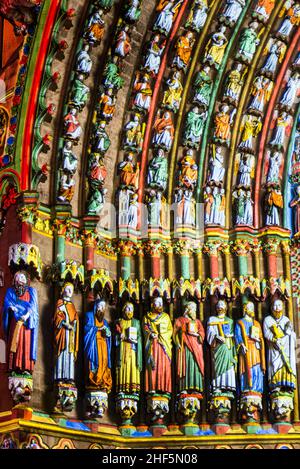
x,y
167,11
246,167
215,48
153,55
273,206
208,202
133,139
123,44
295,203
282,128
198,15
188,337
214,206
101,140
172,95
188,174
157,328
281,350
223,120
291,19
274,167
248,43
129,359
97,170
157,177
112,78
232,11
66,336
263,9
80,93
95,28
97,348
96,201
66,188
243,207
276,51
291,91
84,62
143,92
154,204
202,87
233,84
133,211
69,159
20,322
251,351
184,48
220,337
216,171
132,11
250,129
248,212
163,131
193,129
261,92
107,105
73,128
129,172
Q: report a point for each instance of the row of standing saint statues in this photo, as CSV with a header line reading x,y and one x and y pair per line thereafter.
x,y
242,354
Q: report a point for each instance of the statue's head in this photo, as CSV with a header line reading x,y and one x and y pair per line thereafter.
x,y
68,290
221,308
128,310
191,310
158,304
99,308
21,282
277,309
249,309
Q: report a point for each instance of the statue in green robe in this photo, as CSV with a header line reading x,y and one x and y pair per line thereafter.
x,y
193,128
80,93
112,78
158,171
248,43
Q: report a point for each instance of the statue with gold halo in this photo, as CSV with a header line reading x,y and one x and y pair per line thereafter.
x,y
281,360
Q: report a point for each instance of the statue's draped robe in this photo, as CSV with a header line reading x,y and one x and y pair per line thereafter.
x,y
97,348
66,341
129,357
189,357
252,364
158,352
281,359
22,337
223,355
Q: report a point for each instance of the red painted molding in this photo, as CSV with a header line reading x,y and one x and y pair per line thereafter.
x,y
264,136
34,94
152,109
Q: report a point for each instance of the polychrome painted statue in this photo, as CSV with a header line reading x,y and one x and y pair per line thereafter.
x,y
264,8
233,84
172,95
193,128
95,28
248,43
215,49
129,360
84,62
291,90
189,337
80,93
20,321
251,351
232,11
273,206
163,131
184,48
132,11
198,15
157,328
158,171
202,87
281,349
220,337
153,56
66,336
295,203
291,19
97,348
112,78
166,13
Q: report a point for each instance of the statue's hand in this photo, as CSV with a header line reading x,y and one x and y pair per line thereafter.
x,y
244,349
13,309
221,339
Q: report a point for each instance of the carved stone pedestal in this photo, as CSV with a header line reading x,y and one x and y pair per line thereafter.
x,y
282,405
220,406
97,403
188,405
66,397
250,409
158,408
21,387
127,406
